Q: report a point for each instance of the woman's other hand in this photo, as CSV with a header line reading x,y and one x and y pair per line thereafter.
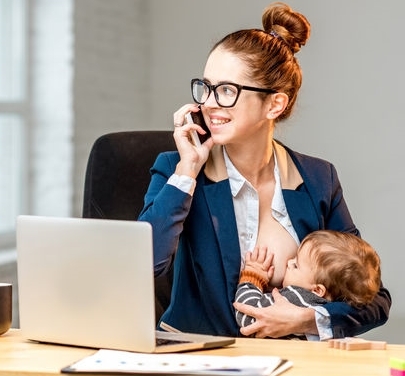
x,y
280,319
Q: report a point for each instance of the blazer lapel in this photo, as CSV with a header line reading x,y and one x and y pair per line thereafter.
x,y
220,205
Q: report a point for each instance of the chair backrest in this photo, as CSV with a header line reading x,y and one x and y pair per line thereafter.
x,y
117,174
117,177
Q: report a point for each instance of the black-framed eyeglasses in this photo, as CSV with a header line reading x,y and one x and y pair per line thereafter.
x,y
226,93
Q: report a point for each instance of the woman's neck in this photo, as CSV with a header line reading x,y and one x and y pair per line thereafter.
x,y
255,162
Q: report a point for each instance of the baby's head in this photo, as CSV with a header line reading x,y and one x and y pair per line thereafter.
x,y
345,264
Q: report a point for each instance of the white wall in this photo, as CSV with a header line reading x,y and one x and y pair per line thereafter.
x,y
50,122
350,110
110,89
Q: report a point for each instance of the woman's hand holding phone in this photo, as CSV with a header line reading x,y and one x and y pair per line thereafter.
x,y
193,153
198,118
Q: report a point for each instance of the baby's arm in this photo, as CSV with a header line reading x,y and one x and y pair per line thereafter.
x,y
258,269
253,280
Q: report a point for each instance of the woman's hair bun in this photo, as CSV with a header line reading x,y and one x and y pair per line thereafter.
x,y
292,27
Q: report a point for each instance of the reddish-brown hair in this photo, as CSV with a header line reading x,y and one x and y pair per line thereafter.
x,y
346,265
269,53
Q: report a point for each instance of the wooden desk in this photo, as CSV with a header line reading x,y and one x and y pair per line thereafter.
x,y
20,357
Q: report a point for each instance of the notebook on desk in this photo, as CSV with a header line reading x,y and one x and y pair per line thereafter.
x,y
89,282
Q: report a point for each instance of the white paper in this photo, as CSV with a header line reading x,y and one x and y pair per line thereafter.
x,y
129,362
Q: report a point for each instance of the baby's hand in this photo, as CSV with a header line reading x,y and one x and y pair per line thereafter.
x,y
259,261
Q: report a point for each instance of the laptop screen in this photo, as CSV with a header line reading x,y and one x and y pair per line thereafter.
x,y
86,282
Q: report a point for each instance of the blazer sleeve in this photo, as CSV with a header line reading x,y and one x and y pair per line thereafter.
x,y
347,321
165,208
322,184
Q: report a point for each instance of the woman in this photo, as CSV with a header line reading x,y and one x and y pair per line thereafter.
x,y
210,204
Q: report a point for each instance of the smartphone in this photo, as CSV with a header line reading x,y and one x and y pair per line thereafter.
x,y
198,118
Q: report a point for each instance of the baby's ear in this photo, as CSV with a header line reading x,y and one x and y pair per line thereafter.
x,y
319,290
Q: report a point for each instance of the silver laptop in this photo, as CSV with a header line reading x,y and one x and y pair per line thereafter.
x,y
89,282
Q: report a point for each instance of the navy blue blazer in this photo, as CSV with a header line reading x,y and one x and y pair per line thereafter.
x,y
201,233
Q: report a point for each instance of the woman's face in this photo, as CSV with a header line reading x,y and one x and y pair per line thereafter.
x,y
248,116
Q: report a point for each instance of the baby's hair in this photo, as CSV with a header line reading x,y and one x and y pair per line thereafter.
x,y
346,265
270,53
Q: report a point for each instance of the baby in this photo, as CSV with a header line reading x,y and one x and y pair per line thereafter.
x,y
329,266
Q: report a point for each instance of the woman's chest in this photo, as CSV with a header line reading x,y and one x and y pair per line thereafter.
x,y
279,242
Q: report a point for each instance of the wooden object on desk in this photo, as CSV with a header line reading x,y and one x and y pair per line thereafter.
x,y
354,343
24,358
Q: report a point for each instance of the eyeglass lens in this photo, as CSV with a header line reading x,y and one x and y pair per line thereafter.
x,y
225,94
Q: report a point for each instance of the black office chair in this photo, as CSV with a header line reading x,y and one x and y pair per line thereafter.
x,y
117,177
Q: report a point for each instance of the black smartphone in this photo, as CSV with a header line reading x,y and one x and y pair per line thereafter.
x,y
198,118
